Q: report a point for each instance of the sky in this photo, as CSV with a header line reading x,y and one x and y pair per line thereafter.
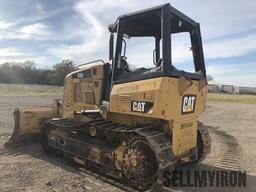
x,y
47,32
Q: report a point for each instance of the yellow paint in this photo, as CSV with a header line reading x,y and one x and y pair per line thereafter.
x,y
164,92
31,117
84,93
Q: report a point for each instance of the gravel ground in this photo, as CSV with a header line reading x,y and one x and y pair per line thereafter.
x,y
25,168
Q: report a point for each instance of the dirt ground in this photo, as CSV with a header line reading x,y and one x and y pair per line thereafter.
x,y
25,168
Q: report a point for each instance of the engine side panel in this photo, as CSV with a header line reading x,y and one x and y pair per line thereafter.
x,y
83,89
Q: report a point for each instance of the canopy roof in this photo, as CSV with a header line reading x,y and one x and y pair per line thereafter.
x,y
147,22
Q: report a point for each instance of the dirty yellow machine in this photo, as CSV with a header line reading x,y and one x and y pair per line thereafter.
x,y
134,124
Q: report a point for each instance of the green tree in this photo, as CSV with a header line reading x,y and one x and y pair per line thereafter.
x,y
60,70
27,73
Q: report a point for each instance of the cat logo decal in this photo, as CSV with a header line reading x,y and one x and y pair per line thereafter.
x,y
188,104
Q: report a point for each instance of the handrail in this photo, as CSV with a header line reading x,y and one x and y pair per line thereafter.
x,y
99,60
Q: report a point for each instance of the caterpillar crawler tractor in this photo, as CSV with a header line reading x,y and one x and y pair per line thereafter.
x,y
134,124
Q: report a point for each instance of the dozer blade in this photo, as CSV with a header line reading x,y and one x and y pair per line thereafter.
x,y
27,123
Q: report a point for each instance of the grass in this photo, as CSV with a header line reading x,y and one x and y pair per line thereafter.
x,y
58,92
233,98
50,92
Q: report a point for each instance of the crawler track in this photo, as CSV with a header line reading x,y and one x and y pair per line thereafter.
x,y
138,156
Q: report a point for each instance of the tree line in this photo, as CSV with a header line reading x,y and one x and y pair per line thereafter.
x,y
27,73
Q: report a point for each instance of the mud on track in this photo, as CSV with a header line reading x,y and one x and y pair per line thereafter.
x,y
26,168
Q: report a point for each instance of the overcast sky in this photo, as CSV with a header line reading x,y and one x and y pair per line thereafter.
x,y
49,31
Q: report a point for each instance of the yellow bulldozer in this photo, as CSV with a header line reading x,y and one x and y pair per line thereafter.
x,y
134,124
